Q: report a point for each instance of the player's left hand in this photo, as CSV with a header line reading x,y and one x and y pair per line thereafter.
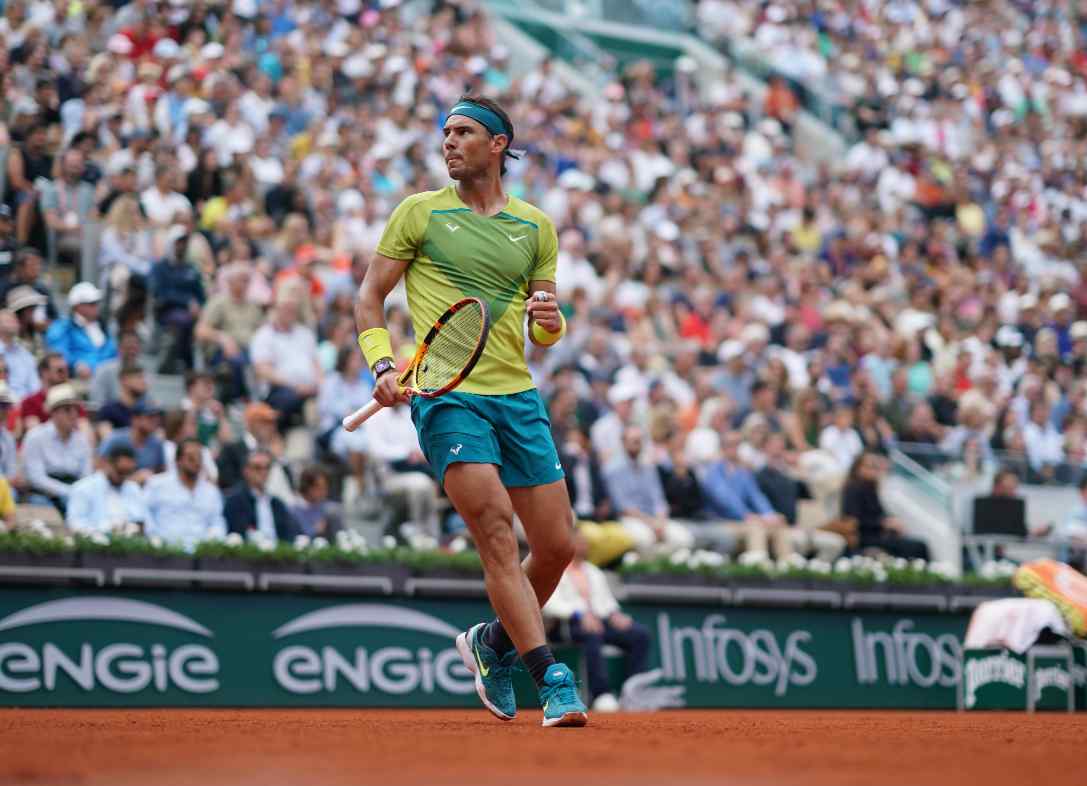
x,y
544,312
620,621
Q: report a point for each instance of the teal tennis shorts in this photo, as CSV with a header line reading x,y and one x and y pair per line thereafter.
x,y
512,432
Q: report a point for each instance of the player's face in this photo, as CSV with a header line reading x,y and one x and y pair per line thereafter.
x,y
468,147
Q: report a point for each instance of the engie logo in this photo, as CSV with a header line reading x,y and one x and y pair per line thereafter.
x,y
395,670
118,667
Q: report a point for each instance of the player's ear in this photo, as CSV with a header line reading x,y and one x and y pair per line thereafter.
x,y
499,142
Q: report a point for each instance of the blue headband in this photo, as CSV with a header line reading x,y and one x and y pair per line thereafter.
x,y
487,118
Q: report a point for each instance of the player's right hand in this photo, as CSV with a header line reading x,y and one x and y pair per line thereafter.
x,y
388,392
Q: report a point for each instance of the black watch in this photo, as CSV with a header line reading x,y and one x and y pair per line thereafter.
x,y
383,365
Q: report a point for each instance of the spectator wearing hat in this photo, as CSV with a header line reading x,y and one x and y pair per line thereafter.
x,y
22,376
182,507
142,437
606,433
80,338
110,497
26,281
30,315
735,378
178,294
251,507
52,371
56,454
284,354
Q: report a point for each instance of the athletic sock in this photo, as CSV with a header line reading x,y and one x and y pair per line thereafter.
x,y
538,661
495,637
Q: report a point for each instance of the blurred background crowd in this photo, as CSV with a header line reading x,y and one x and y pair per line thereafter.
x,y
757,336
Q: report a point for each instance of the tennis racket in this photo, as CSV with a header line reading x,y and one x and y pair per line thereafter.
x,y
444,358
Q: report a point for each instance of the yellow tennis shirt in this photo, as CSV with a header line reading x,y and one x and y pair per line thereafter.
x,y
457,253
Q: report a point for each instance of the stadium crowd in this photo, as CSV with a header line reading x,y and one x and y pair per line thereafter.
x,y
750,333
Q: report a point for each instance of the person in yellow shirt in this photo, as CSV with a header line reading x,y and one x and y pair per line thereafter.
x,y
7,503
489,441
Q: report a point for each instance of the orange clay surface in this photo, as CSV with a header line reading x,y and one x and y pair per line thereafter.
x,y
741,748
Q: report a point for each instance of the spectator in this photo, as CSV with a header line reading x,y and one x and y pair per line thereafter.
x,y
30,315
109,498
877,530
840,439
66,204
178,293
403,472
143,438
106,385
27,275
9,456
117,413
284,355
584,478
209,417
179,424
342,392
732,494
1044,443
52,371
636,493
1072,532
227,326
56,454
80,338
251,508
584,603
183,508
607,432
314,514
22,369
260,432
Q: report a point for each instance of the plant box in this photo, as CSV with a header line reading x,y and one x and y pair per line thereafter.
x,y
336,568
224,565
670,580
104,562
448,573
20,559
160,562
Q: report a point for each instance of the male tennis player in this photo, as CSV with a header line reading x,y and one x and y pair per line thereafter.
x,y
489,441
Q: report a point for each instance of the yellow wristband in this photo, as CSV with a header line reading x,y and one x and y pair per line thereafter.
x,y
546,337
375,345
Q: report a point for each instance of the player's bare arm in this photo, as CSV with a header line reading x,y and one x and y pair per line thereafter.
x,y
382,275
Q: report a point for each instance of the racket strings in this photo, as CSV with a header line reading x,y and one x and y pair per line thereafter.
x,y
451,349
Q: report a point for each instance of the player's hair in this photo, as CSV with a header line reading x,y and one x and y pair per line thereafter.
x,y
495,107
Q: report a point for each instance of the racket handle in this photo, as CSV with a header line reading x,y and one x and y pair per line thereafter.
x,y
360,416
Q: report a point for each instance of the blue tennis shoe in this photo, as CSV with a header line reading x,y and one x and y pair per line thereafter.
x,y
494,675
562,706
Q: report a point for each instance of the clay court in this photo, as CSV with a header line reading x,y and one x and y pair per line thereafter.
x,y
417,748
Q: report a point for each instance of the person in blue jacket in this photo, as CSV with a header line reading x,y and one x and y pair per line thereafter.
x,y
80,338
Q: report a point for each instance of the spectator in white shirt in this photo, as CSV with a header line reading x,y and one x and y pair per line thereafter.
x,y
392,441
162,203
182,508
284,354
56,454
22,374
585,604
840,439
1044,443
108,498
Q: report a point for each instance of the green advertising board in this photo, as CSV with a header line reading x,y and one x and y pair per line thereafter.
x,y
161,648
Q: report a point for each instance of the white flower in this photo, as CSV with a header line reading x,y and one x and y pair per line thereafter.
x,y
988,570
943,569
100,539
900,563
266,544
388,542
458,545
751,559
156,542
797,561
843,565
68,541
680,556
319,543
783,566
879,573
819,566
214,536
711,558
130,529
301,542
919,564
234,539
343,540
631,558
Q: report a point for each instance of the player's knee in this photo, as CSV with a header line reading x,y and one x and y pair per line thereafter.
x,y
491,524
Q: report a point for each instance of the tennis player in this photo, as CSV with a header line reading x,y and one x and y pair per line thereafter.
x,y
489,441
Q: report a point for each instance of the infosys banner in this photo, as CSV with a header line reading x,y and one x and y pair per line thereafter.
x,y
63,648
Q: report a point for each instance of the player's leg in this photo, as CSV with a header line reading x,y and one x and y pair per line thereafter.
x,y
547,517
